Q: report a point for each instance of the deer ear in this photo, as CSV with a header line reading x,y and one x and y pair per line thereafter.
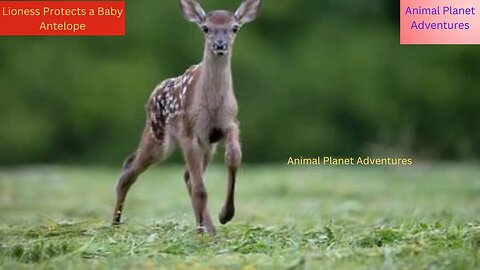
x,y
247,11
192,11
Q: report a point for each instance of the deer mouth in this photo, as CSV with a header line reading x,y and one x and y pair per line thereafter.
x,y
219,49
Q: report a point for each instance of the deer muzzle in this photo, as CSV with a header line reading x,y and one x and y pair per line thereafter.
x,y
220,47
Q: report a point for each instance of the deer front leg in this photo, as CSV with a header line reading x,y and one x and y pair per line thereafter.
x,y
206,215
194,157
233,158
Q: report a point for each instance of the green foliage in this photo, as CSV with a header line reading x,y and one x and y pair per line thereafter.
x,y
312,77
331,218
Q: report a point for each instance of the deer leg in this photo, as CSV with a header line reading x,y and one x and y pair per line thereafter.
x,y
206,214
186,175
233,157
148,153
194,156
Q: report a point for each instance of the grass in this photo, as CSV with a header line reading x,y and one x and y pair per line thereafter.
x,y
421,217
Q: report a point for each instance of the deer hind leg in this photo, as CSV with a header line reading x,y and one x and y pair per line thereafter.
x,y
233,157
149,151
206,214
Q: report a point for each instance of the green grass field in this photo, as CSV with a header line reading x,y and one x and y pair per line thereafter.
x,y
420,217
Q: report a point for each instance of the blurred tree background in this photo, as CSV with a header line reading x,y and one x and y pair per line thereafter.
x,y
312,78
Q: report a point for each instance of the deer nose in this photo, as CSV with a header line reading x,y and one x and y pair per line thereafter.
x,y
220,45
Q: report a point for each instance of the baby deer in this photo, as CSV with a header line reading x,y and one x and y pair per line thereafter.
x,y
195,110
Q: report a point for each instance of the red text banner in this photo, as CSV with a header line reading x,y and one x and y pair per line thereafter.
x,y
62,18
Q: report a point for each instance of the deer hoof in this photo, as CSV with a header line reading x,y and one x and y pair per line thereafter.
x,y
201,229
210,230
116,221
226,214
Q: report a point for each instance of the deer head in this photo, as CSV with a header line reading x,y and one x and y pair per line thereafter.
x,y
219,26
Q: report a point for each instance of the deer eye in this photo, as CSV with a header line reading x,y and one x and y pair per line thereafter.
x,y
235,28
205,29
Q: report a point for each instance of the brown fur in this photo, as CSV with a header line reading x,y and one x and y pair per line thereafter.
x,y
195,111
220,17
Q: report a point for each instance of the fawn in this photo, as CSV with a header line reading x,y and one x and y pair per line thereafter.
x,y
196,110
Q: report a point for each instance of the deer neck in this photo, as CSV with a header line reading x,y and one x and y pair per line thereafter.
x,y
216,72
